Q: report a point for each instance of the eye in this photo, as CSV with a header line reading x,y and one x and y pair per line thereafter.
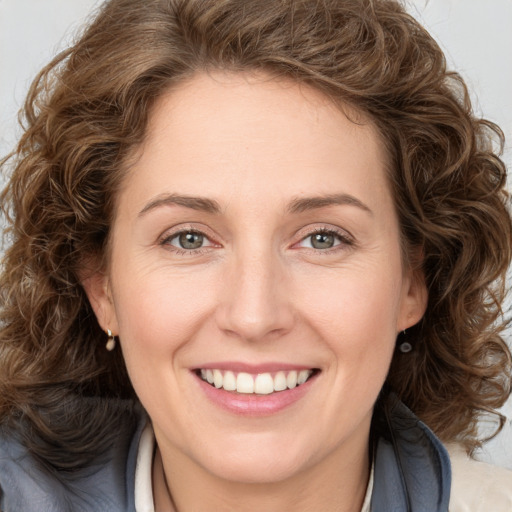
x,y
188,240
325,239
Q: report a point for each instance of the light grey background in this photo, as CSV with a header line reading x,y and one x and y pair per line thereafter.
x,y
475,34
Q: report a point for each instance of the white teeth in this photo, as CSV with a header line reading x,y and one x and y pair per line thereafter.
x,y
264,384
244,383
280,381
261,384
229,381
217,378
302,377
291,380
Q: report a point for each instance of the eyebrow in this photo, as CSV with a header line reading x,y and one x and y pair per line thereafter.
x,y
299,205
202,204
303,204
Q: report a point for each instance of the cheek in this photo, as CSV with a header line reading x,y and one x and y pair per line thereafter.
x,y
356,317
158,312
356,301
157,317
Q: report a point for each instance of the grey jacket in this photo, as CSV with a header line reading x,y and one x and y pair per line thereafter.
x,y
412,473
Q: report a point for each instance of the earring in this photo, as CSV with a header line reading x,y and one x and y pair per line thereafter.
x,y
111,342
405,347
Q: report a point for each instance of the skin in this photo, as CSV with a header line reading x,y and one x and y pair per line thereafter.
x,y
257,291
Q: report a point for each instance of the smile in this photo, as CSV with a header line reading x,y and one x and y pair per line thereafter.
x,y
259,384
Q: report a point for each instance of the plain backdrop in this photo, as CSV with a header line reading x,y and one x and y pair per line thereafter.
x,y
476,36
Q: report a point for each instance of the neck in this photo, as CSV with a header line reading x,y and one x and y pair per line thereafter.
x,y
334,485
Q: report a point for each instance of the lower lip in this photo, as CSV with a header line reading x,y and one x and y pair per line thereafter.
x,y
253,404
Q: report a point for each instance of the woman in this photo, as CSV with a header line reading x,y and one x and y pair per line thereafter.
x,y
252,243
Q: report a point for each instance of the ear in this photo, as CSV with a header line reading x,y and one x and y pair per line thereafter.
x,y
414,299
98,291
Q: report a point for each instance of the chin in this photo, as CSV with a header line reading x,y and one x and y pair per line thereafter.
x,y
257,465
250,471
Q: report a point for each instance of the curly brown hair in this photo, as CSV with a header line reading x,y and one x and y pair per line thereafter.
x,y
88,109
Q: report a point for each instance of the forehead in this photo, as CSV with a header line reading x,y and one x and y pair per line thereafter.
x,y
251,132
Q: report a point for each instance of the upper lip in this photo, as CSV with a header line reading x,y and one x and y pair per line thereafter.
x,y
239,367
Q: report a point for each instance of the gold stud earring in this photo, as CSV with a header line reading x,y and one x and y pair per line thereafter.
x,y
111,342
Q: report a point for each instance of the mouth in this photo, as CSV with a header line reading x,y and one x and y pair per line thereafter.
x,y
256,384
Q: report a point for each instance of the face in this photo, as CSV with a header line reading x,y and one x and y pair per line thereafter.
x,y
256,245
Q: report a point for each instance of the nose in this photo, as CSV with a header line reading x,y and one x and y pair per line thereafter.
x,y
255,305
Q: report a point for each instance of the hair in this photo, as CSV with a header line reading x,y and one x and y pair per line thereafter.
x,y
88,109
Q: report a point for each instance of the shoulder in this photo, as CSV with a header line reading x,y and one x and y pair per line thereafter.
x,y
22,483
477,486
106,484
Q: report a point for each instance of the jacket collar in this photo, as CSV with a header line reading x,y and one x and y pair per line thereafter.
x,y
412,467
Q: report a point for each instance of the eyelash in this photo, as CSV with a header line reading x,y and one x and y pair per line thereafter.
x,y
166,241
343,238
